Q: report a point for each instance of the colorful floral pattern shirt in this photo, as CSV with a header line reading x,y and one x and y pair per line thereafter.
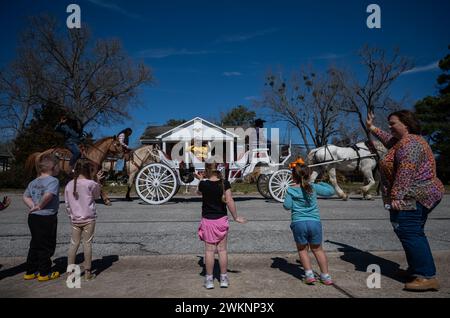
x,y
408,171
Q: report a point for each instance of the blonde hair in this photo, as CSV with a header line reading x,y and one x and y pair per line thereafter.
x,y
47,163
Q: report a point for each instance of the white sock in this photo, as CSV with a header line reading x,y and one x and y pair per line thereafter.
x,y
324,275
309,272
224,275
209,277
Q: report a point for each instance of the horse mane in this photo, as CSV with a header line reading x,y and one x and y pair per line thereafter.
x,y
100,141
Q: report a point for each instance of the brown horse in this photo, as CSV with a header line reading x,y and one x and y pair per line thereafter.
x,y
95,153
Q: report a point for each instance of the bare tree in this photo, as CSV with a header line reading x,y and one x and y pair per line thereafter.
x,y
372,93
18,94
307,101
95,82
347,134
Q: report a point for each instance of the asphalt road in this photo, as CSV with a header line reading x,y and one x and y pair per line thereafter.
x,y
135,228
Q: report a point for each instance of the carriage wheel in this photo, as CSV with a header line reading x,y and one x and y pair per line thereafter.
x,y
263,185
279,183
156,183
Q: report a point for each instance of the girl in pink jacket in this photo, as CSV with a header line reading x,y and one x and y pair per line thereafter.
x,y
80,195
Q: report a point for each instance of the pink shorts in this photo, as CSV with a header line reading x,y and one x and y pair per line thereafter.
x,y
213,231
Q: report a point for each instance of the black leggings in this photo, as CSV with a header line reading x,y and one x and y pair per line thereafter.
x,y
43,243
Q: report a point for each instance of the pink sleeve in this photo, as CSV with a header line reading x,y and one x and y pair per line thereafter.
x,y
383,136
95,190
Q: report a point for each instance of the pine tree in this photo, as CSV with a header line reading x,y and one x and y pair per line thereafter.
x,y
39,134
434,115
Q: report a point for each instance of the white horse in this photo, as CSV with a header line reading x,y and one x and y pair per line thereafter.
x,y
365,164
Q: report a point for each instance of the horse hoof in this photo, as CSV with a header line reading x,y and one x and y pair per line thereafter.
x,y
345,197
128,199
108,203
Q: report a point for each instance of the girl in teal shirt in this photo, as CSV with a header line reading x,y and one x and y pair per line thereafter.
x,y
306,227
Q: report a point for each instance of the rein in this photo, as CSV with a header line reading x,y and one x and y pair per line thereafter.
x,y
104,153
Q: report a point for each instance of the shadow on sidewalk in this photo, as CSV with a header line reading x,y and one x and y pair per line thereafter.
x,y
216,270
362,259
98,265
283,265
13,271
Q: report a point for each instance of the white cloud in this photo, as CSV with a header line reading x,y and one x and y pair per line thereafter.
x,y
114,7
245,36
421,69
166,52
232,73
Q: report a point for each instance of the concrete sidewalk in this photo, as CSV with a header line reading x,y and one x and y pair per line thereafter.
x,y
269,275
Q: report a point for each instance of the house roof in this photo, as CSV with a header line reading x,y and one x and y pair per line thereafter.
x,y
197,128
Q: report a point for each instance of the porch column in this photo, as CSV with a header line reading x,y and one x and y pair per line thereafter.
x,y
186,150
231,156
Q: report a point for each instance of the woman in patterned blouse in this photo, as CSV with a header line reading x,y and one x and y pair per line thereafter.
x,y
411,191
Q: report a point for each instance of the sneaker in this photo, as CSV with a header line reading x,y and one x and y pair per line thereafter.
x,y
326,279
310,279
30,276
51,276
209,283
224,282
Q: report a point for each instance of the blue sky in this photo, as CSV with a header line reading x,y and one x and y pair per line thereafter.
x,y
209,56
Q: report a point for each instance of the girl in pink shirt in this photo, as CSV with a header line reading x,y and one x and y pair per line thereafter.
x,y
80,195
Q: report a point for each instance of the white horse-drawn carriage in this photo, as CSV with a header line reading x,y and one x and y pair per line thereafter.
x,y
158,182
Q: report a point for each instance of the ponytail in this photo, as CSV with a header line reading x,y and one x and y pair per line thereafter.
x,y
301,174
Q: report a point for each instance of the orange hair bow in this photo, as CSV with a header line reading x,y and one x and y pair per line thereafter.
x,y
299,161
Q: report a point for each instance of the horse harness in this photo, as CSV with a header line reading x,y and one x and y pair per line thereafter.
x,y
356,148
369,148
143,160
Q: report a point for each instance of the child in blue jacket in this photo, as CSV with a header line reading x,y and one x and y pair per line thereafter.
x,y
306,227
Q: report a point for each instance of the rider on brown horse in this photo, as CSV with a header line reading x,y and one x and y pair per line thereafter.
x,y
71,129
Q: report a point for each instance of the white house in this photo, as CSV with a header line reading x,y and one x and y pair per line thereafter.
x,y
200,130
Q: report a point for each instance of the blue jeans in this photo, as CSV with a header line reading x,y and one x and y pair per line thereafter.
x,y
76,154
409,227
307,232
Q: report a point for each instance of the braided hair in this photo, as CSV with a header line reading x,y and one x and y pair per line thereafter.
x,y
83,168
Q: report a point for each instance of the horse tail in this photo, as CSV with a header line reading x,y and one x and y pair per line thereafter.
x,y
30,163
